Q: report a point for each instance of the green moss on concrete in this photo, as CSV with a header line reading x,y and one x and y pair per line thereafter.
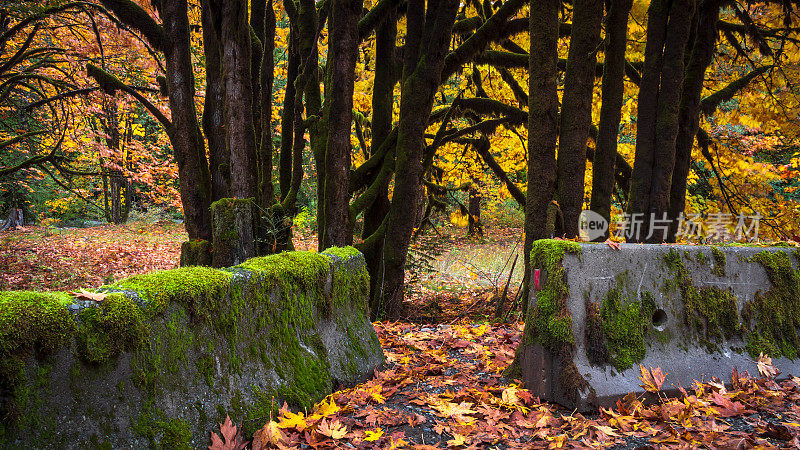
x,y
263,408
281,322
719,262
350,280
115,326
775,315
196,288
710,311
163,433
176,434
205,368
31,324
305,270
549,321
702,259
626,322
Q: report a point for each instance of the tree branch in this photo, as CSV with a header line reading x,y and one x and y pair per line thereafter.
x,y
110,84
710,103
137,18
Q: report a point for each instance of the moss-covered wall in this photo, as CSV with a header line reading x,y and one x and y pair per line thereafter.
x,y
166,354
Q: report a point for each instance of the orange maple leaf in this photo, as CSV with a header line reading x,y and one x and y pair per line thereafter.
x,y
652,379
231,437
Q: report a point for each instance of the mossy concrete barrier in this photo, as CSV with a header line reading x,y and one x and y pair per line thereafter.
x,y
695,311
168,354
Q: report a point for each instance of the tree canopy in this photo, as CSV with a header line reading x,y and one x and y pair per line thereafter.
x,y
378,115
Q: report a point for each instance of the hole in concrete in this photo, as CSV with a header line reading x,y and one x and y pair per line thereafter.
x,y
659,319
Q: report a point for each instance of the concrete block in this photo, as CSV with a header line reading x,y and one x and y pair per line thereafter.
x,y
695,311
161,360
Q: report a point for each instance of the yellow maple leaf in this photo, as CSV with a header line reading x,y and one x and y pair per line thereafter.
x,y
292,420
510,395
334,429
457,441
328,408
270,434
458,412
373,435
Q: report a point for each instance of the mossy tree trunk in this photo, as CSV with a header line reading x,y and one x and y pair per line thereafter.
x,y
235,221
238,99
190,153
219,156
689,116
542,125
266,194
382,103
427,42
668,28
613,88
287,119
343,38
576,109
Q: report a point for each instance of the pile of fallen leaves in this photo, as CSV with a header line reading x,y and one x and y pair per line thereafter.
x,y
443,388
40,258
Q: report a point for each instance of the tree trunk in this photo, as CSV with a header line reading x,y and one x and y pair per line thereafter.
x,y
234,221
689,116
576,109
343,41
266,194
647,106
187,142
382,105
475,226
669,96
542,125
423,60
659,98
238,99
603,167
287,119
106,206
14,220
116,176
219,155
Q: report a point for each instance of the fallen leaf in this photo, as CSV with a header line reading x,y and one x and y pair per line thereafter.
x,y
334,429
765,367
231,437
270,434
86,295
289,419
457,441
652,379
372,436
327,408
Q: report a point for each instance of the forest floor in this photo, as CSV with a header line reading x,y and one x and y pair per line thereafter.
x,y
442,385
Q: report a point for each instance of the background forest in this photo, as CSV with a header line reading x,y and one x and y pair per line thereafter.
x,y
376,122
